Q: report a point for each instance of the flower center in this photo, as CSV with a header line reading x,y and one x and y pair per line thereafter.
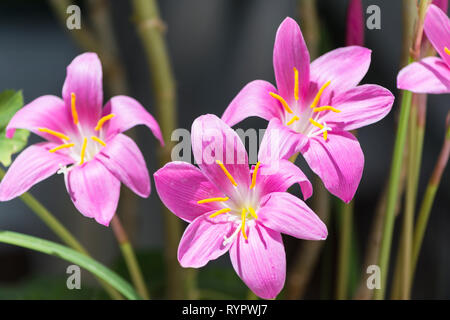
x,y
308,123
80,150
239,211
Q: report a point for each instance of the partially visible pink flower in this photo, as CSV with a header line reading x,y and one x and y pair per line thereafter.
x,y
355,24
80,133
232,208
431,74
315,105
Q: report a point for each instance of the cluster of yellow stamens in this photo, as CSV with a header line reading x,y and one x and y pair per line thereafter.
x,y
245,210
323,128
75,119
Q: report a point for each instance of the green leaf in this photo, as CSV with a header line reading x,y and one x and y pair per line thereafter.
x,y
57,250
10,102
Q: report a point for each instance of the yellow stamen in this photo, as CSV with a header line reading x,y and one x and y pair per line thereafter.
x,y
74,108
212,200
447,51
252,212
319,94
315,123
226,172
63,146
283,102
99,140
255,171
296,84
294,118
330,108
243,223
83,151
325,135
103,120
224,210
54,133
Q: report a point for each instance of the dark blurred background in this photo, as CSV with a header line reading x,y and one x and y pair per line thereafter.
x,y
216,47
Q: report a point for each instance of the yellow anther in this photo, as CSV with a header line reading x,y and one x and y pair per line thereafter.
x,y
103,143
296,84
282,101
103,120
315,123
83,151
243,223
212,200
319,94
330,108
255,171
294,118
447,51
63,146
252,212
224,210
226,172
325,135
54,133
74,108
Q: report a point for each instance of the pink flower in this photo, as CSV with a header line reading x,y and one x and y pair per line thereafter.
x,y
431,74
315,106
232,208
82,134
355,24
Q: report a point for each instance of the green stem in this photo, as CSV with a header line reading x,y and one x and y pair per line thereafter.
x,y
53,224
129,257
345,237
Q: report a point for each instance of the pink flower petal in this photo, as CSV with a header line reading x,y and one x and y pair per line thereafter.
x,y
260,261
279,176
287,214
84,78
94,191
44,112
429,75
180,185
279,142
203,241
213,140
123,158
290,51
441,4
129,113
31,166
339,162
253,100
355,24
437,30
360,106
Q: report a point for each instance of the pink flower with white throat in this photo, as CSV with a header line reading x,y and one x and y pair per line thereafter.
x,y
316,105
84,141
232,208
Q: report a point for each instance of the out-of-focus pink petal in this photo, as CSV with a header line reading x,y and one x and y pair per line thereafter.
x,y
437,30
180,185
260,261
129,113
203,241
355,24
212,139
429,75
253,100
290,51
123,158
360,106
279,176
84,78
94,191
31,166
44,112
285,213
339,162
279,142
343,67
441,4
